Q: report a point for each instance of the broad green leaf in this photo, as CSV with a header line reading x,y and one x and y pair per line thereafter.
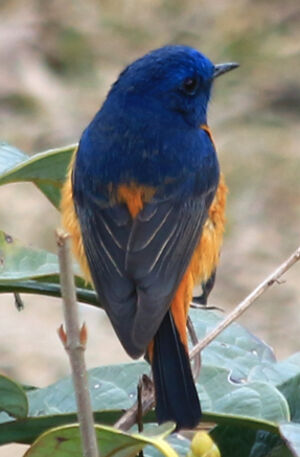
x,y
13,399
179,443
269,444
257,400
290,432
19,262
48,166
47,170
255,405
234,441
112,387
244,442
65,441
285,375
27,430
294,359
25,269
290,389
274,373
235,348
51,191
10,157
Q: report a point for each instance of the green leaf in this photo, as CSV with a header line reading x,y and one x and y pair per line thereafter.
x,y
13,399
179,443
27,430
25,269
290,389
294,359
47,170
270,445
10,157
239,401
19,262
285,375
243,442
226,400
290,432
255,405
65,441
112,387
234,441
51,191
235,348
48,166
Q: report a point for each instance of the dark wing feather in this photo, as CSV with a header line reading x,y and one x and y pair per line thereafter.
x,y
136,265
159,265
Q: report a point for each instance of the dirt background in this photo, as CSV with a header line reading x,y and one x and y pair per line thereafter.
x,y
58,60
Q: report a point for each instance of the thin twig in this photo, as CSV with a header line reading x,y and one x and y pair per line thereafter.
x,y
206,307
18,301
140,406
195,341
140,412
129,417
247,302
74,341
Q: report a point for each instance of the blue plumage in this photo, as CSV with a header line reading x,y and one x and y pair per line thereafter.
x,y
148,128
149,134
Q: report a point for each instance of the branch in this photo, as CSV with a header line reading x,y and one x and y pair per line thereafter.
x,y
74,341
195,341
18,301
129,418
247,302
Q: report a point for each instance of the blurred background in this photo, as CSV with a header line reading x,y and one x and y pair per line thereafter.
x,y
59,59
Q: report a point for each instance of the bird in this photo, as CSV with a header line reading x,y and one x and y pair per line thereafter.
x,y
144,204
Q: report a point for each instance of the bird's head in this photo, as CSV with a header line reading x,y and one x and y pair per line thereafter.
x,y
174,79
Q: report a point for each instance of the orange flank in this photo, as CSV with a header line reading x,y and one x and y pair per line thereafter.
x,y
206,256
71,224
204,261
180,305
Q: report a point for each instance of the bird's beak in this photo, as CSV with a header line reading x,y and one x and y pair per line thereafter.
x,y
223,68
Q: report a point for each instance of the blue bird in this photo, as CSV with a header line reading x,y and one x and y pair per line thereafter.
x,y
138,194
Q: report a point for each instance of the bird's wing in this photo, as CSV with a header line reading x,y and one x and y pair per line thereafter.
x,y
137,264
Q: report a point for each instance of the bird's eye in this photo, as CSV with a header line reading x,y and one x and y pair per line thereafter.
x,y
190,85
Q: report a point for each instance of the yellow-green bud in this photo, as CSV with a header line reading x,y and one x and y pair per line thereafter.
x,y
203,446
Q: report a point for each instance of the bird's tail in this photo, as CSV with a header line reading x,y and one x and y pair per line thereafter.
x,y
176,395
